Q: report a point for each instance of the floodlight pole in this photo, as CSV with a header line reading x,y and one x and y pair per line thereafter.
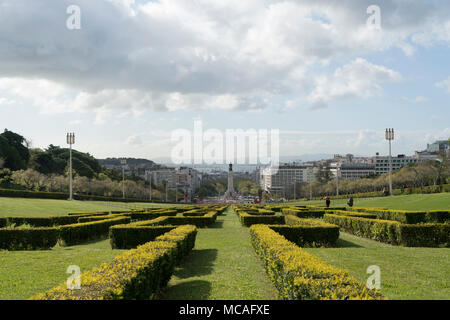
x,y
390,138
123,162
295,182
70,141
337,178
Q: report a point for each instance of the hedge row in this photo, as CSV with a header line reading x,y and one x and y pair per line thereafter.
x,y
40,221
248,220
28,239
135,274
356,214
63,196
130,236
81,232
203,221
308,232
303,213
298,275
394,232
403,216
395,192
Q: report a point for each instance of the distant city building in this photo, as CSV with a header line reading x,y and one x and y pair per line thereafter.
x,y
352,170
438,146
277,180
382,163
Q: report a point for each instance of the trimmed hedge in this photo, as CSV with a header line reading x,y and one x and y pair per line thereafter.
x,y
307,232
28,239
248,220
355,214
40,221
130,236
183,237
380,230
135,274
304,213
81,232
64,196
298,275
403,216
203,221
438,216
394,232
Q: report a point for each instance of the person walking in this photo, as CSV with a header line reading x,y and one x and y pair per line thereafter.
x,y
350,202
327,201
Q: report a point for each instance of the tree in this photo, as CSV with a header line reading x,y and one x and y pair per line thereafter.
x,y
14,150
324,174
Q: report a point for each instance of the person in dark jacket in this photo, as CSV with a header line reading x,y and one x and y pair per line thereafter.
x,y
328,201
350,202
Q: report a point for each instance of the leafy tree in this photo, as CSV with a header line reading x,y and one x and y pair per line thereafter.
x,y
14,150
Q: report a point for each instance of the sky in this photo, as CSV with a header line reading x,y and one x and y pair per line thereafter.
x,y
124,75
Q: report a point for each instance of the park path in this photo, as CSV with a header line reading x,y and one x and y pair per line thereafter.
x,y
222,266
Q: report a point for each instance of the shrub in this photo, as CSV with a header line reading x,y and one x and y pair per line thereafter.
x,y
307,232
298,275
81,232
28,239
304,213
354,214
184,237
247,219
438,216
130,236
135,274
393,232
380,230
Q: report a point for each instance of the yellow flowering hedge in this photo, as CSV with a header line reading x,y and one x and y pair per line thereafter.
x,y
298,275
135,274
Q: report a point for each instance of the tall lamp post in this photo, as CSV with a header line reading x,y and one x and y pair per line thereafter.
x,y
123,162
337,178
70,142
390,137
295,183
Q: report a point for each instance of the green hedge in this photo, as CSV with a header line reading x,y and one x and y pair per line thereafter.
x,y
358,214
394,232
40,221
28,239
437,216
131,236
308,232
183,237
304,213
298,275
403,216
81,232
248,220
63,196
135,274
203,221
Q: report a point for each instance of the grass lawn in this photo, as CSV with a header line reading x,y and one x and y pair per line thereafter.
x,y
25,207
25,273
409,202
223,265
406,273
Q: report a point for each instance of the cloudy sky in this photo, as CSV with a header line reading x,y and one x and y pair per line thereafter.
x,y
136,70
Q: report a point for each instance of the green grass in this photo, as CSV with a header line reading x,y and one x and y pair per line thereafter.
x,y
409,202
25,273
223,265
24,207
406,273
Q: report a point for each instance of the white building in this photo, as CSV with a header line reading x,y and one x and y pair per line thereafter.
x,y
382,162
352,170
276,180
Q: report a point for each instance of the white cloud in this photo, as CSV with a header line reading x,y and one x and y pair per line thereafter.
x,y
445,84
359,78
134,140
418,99
173,55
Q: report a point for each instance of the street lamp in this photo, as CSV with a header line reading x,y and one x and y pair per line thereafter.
x,y
70,141
123,162
337,178
149,174
295,183
390,137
